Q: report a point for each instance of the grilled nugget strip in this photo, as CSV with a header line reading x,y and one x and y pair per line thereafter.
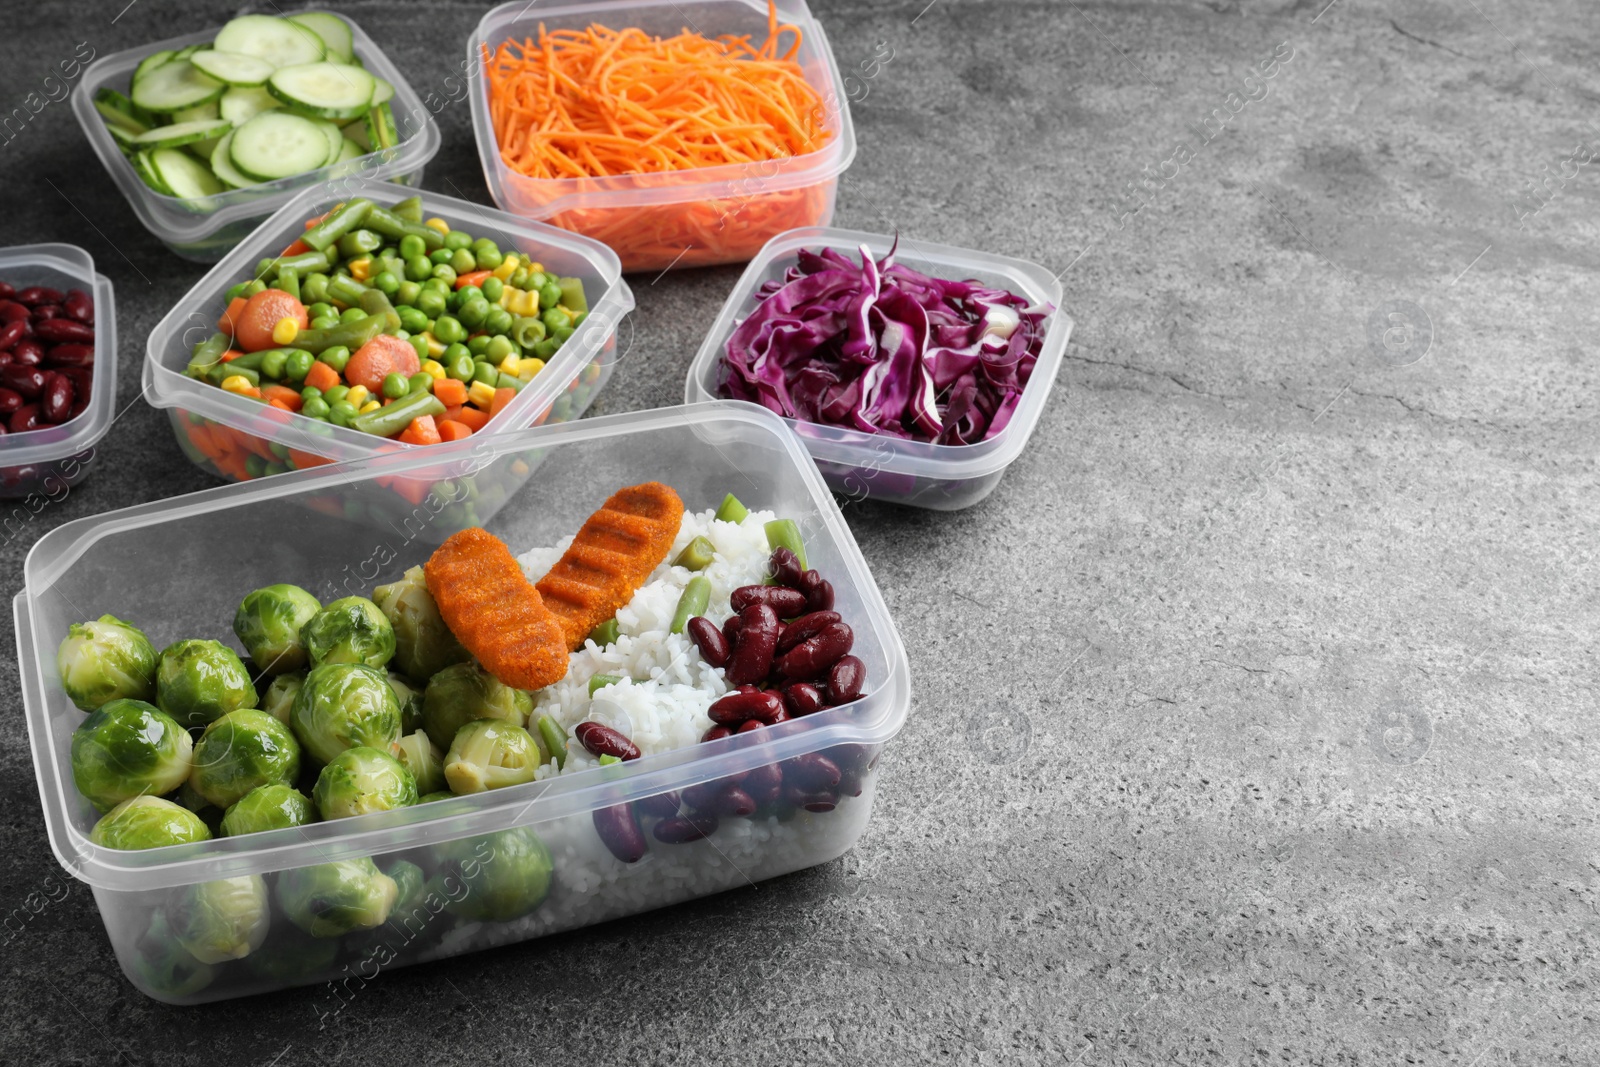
x,y
494,611
611,557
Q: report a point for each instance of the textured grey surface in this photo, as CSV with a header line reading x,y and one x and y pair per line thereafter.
x,y
1255,710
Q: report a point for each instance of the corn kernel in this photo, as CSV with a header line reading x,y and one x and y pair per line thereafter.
x,y
433,369
481,394
506,296
509,364
358,395
360,269
507,267
528,367
238,383
371,405
438,224
536,268
285,331
435,346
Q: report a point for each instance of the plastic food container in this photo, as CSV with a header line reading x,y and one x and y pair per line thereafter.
x,y
42,465
686,218
862,465
204,229
206,418
150,564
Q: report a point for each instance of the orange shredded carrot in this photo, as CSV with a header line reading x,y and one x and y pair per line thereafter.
x,y
499,617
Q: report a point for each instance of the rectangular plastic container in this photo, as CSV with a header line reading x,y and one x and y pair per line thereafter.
x,y
203,230
42,465
686,218
156,564
561,392
862,465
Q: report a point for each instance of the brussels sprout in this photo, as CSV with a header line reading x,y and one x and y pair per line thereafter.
x,y
342,705
268,624
489,754
333,899
148,822
292,956
106,659
439,794
279,697
460,694
360,781
268,807
410,698
209,813
128,748
423,644
349,630
164,967
200,681
222,920
240,751
424,760
506,875
408,880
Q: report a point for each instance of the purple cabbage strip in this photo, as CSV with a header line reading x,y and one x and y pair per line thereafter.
x,y
885,349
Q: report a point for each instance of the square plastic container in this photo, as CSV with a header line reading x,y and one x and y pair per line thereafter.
x,y
561,392
862,465
42,465
156,564
204,229
686,218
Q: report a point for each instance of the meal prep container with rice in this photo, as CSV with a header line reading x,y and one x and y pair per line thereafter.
x,y
201,413
157,563
746,204
42,465
205,228
862,465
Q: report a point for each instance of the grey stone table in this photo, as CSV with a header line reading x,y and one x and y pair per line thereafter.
x,y
1254,715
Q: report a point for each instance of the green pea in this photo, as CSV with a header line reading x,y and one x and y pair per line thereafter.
x,y
441,255
420,382
418,268
412,245
412,320
463,261
421,345
498,320
395,386
488,258
319,310
404,335
310,393
255,466
279,450
336,394
341,413
272,363
483,372
336,357
298,365
407,293
467,294
456,239
554,319
478,344
446,273
561,333
519,278
537,279
275,468
493,288
352,315
386,283
431,303
547,348
549,295
461,368
455,351
322,322
499,348
483,244
316,408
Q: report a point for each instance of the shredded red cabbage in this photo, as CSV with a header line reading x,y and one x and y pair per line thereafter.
x,y
885,349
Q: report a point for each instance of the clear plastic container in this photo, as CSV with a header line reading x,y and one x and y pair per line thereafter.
x,y
42,465
157,565
862,465
203,230
685,218
200,412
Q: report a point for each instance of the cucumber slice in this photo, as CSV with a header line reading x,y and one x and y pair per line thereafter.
x,y
151,62
184,175
174,86
183,133
380,128
357,132
323,90
239,106
222,165
202,150
196,114
233,68
278,41
147,173
187,50
117,110
383,91
335,138
349,150
334,31
125,136
278,144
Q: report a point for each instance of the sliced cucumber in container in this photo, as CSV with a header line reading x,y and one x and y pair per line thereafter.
x,y
334,31
380,128
118,110
125,136
222,165
277,144
239,106
151,62
186,176
382,92
174,86
182,133
357,132
196,114
278,41
349,150
323,90
335,138
233,68
147,173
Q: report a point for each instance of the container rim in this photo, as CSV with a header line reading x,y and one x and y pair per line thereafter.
x,y
625,190
165,387
236,204
873,720
69,438
837,444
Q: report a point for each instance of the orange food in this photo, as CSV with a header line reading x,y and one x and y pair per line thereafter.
x,y
323,376
253,328
611,557
282,395
451,393
502,397
296,248
421,431
494,612
452,430
472,277
378,358
231,316
469,415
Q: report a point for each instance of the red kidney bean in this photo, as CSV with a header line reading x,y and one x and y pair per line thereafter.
x,y
850,781
752,724
602,740
661,805
818,590
846,679
817,802
29,381
758,637
34,295
730,631
71,354
7,290
79,305
47,311
733,803
805,626
82,383
56,400
682,829
737,707
763,783
80,404
703,797
812,772
786,602
58,331
714,648
10,400
785,567
24,419
811,657
11,311
6,358
716,733
12,332
619,832
29,353
802,698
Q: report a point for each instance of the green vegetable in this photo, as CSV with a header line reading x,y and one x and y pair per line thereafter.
x,y
360,781
200,681
464,693
163,965
424,760
554,738
240,751
279,697
393,226
148,822
345,289
351,334
606,633
600,681
697,555
288,281
507,875
290,954
206,355
731,510
298,365
128,748
334,899
388,421
410,698
527,331
343,705
396,386
351,629
696,595
377,306
325,233
268,807
222,920
572,297
268,624
424,645
784,533
106,659
491,754
409,209
359,243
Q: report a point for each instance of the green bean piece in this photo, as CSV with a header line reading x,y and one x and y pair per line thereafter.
x,y
223,371
315,288
554,740
409,209
388,421
696,555
288,281
235,291
358,243
783,533
508,381
696,595
304,263
388,224
205,355
345,290
526,330
606,633
572,297
250,360
351,335
325,234
377,305
732,510
600,681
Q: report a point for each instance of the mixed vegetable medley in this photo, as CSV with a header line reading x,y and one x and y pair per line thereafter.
x,y
381,322
271,97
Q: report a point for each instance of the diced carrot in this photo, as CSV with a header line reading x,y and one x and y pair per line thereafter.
x,y
502,397
472,277
296,248
230,355
451,393
262,313
231,316
306,460
452,430
380,357
318,220
282,396
422,431
470,415
322,376
276,403
414,490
